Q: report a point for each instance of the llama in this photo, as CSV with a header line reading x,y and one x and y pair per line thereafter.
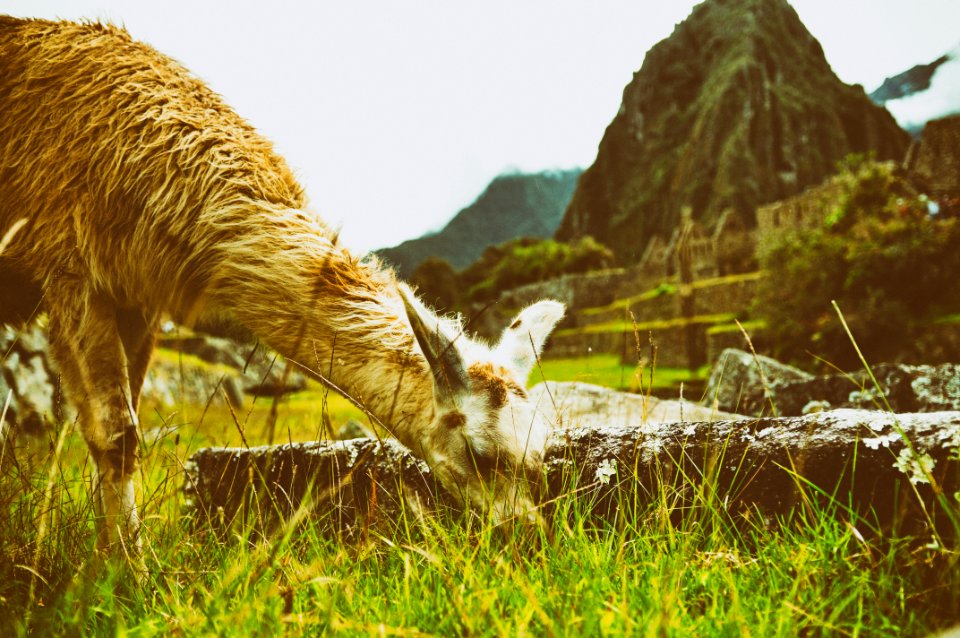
x,y
133,190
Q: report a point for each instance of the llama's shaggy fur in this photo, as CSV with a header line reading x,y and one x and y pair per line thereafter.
x,y
133,190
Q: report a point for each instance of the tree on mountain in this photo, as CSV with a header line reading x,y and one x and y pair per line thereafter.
x,y
739,107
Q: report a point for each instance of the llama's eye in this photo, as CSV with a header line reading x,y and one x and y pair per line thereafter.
x,y
485,464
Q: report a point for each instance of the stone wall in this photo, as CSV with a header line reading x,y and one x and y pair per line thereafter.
x,y
730,249
721,295
899,459
934,160
652,291
796,214
727,295
577,290
610,330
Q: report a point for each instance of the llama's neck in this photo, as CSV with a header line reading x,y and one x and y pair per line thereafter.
x,y
341,319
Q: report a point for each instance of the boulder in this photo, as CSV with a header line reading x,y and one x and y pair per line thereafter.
x,y
574,404
736,385
353,429
349,485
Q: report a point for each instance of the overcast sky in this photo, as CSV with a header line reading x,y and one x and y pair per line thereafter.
x,y
396,114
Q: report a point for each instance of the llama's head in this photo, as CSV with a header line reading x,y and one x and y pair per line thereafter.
x,y
487,438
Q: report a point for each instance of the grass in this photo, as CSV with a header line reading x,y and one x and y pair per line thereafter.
x,y
728,279
608,371
949,319
671,289
662,324
754,325
640,575
626,302
653,571
300,416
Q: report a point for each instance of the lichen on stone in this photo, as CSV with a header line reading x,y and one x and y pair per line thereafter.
x,y
867,395
884,440
814,407
605,470
918,467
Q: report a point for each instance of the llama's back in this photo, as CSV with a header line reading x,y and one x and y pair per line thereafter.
x,y
123,163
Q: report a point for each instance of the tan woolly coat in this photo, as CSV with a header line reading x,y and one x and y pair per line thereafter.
x,y
137,180
129,189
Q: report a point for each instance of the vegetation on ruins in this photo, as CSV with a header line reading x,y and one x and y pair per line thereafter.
x,y
887,254
514,263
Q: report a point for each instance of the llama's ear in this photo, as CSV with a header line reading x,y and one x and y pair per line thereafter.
x,y
446,364
522,341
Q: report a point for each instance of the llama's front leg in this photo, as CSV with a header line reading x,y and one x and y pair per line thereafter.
x,y
86,342
138,333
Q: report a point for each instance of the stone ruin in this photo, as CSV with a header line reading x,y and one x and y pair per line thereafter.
x,y
729,249
934,159
208,369
612,449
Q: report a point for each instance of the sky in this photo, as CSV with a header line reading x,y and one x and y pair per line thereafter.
x,y
396,114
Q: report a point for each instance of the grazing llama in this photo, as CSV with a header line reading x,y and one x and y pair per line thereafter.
x,y
129,189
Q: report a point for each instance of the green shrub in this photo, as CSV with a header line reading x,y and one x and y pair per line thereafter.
x,y
437,283
889,263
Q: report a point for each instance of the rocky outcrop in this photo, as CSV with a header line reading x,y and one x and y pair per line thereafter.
x,y
749,468
737,385
914,80
737,108
29,383
923,93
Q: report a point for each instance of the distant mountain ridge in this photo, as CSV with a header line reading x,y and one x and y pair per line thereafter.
x,y
911,81
737,108
923,93
512,205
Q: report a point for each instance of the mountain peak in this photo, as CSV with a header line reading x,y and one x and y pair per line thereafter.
x,y
738,107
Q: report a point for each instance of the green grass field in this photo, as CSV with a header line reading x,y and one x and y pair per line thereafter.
x,y
700,574
608,371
